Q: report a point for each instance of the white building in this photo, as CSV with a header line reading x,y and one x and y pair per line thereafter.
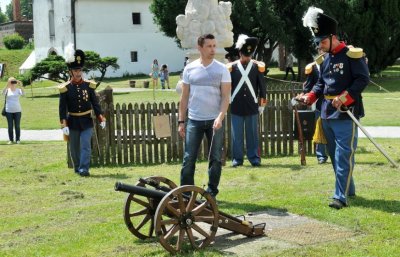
x,y
119,28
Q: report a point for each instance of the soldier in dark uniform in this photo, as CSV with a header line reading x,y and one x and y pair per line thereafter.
x,y
344,75
77,100
312,73
248,100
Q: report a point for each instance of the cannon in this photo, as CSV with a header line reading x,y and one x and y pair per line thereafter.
x,y
179,217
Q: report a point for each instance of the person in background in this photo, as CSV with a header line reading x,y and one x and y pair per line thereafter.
x,y
155,73
344,76
248,100
77,100
312,72
206,87
164,76
289,65
12,92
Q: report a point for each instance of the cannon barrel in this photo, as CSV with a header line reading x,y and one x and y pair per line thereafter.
x,y
119,186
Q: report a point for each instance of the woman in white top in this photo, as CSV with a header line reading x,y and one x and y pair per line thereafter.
x,y
12,92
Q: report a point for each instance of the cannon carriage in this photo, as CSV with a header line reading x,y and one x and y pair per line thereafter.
x,y
178,216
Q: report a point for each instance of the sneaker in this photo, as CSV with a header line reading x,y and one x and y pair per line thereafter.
x,y
10,143
256,164
337,204
321,161
18,142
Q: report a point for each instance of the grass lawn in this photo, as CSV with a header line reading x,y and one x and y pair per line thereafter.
x,y
41,110
46,210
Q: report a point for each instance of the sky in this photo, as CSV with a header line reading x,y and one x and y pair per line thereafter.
x,y
3,4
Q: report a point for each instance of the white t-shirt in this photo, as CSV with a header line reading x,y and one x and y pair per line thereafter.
x,y
12,103
205,88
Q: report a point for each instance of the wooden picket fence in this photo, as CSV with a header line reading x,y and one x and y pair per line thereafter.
x,y
130,137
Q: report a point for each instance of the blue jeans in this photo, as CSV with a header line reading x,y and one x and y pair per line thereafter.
x,y
195,131
320,149
14,119
248,124
342,136
80,148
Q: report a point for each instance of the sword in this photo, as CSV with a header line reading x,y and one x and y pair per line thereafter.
x,y
351,115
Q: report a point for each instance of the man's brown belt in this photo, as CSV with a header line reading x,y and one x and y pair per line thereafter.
x,y
79,113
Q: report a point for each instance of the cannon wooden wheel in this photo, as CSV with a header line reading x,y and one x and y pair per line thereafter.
x,y
195,216
140,210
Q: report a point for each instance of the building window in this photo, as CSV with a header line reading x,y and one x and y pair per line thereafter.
x,y
52,30
136,18
134,56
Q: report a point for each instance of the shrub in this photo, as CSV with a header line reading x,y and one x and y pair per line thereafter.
x,y
14,41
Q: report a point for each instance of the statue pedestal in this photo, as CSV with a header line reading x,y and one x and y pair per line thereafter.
x,y
220,53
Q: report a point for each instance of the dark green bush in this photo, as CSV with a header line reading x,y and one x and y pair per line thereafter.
x,y
14,41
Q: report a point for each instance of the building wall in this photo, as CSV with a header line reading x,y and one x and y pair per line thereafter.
x,y
23,28
106,27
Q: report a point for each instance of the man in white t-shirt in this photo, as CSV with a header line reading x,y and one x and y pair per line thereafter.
x,y
205,95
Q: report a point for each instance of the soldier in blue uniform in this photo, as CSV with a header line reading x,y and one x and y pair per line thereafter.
x,y
248,100
312,73
77,100
344,75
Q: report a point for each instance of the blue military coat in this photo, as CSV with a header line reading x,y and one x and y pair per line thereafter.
x,y
76,104
340,71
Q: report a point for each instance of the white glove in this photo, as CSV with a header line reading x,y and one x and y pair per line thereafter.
x,y
103,124
65,130
261,109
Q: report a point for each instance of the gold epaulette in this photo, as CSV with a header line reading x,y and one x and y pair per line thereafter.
x,y
261,66
229,66
308,68
355,52
320,59
92,84
63,87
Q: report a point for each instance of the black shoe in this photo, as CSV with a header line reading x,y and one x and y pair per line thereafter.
x,y
352,196
337,204
256,164
236,164
84,173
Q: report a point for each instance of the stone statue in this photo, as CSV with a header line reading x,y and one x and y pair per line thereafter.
x,y
204,17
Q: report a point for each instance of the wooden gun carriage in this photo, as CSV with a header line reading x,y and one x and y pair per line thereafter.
x,y
156,206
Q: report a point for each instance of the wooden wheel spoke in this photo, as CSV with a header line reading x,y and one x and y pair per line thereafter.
x,y
181,203
191,237
172,210
192,200
169,222
180,240
145,219
199,208
172,232
139,213
207,219
200,230
141,202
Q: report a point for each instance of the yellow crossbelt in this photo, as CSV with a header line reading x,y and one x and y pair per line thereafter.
x,y
79,113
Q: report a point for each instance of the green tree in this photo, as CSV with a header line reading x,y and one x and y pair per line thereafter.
x,y
26,10
95,62
165,12
373,26
54,67
3,17
9,12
